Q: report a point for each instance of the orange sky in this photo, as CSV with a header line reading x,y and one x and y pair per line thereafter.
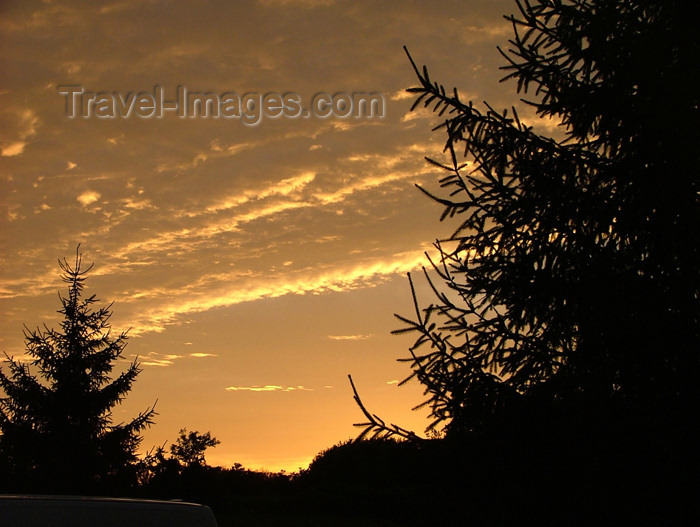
x,y
256,265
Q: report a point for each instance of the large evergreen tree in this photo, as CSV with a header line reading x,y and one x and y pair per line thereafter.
x,y
561,351
572,277
57,433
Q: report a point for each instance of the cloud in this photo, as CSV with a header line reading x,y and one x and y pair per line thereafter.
x,y
164,360
215,150
156,362
184,238
402,95
308,4
137,204
283,188
42,208
267,388
22,124
45,282
315,281
13,149
115,7
386,163
224,221
28,123
88,197
419,112
349,337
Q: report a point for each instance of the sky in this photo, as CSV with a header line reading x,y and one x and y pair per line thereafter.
x,y
255,264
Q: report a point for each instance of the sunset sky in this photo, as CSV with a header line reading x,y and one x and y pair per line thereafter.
x,y
257,266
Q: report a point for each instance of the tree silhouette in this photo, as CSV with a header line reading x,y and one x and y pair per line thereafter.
x,y
186,455
190,446
56,424
572,276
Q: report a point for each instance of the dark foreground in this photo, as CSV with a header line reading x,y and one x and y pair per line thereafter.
x,y
621,474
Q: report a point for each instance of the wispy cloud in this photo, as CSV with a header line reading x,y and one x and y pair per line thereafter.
x,y
314,281
137,204
401,95
267,388
156,359
184,238
284,188
42,283
164,360
349,337
24,121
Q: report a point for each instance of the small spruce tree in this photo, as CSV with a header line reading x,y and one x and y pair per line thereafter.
x,y
56,430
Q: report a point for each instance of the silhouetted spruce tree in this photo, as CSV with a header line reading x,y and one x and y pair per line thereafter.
x,y
572,278
56,424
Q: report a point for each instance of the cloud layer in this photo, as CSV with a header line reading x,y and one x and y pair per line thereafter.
x,y
191,221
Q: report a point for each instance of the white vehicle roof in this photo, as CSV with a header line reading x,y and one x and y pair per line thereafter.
x,y
80,511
